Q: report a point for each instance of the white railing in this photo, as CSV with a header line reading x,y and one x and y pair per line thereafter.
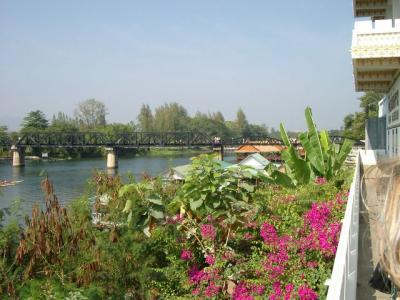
x,y
343,283
376,39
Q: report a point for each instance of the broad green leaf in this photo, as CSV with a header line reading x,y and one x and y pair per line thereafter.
x,y
126,189
317,157
155,199
196,204
156,214
282,179
325,140
343,153
128,206
146,231
247,187
284,136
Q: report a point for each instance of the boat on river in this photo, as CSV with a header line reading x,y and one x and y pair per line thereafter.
x,y
4,183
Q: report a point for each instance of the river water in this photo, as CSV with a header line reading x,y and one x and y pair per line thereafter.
x,y
70,177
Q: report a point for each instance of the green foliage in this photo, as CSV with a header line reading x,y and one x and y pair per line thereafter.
x,y
322,157
170,117
34,121
145,118
211,189
91,114
354,124
143,205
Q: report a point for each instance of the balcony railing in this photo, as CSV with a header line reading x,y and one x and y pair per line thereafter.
x,y
376,54
376,39
343,283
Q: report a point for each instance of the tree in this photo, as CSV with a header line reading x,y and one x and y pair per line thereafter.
x,y
91,114
203,123
218,117
62,122
369,104
241,123
171,117
34,121
145,118
354,124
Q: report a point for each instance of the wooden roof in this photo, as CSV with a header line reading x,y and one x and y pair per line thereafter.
x,y
259,148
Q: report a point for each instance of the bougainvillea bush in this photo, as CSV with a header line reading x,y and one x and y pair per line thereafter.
x,y
223,234
283,247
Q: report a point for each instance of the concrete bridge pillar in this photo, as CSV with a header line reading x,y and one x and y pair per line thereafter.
x,y
219,152
112,158
18,156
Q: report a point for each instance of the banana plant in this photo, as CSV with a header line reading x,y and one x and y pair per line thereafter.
x,y
297,168
322,157
144,207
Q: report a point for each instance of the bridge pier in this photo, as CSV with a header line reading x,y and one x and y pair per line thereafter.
x,y
18,156
219,152
112,158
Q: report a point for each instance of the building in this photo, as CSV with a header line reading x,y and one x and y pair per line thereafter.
x,y
256,161
179,173
271,152
375,54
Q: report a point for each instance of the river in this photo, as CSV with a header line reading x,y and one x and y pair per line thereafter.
x,y
71,177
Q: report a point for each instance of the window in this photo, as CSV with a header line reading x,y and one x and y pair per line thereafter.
x,y
394,101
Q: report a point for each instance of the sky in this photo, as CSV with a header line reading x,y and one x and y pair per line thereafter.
x,y
271,58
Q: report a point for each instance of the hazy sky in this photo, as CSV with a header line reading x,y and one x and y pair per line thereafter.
x,y
272,58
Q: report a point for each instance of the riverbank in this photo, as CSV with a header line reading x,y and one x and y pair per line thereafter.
x,y
175,151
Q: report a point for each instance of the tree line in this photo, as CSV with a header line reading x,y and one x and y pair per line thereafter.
x,y
90,115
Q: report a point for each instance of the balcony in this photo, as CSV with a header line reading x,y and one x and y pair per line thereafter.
x,y
371,8
353,266
376,54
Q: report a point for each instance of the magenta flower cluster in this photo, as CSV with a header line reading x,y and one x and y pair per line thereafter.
x,y
186,255
322,236
210,259
247,291
306,293
208,232
269,234
205,282
284,256
320,180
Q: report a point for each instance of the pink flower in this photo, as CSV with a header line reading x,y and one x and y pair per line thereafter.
x,y
320,180
210,259
289,289
208,232
306,293
277,293
318,215
175,219
196,275
196,292
312,264
242,292
211,290
186,255
268,233
258,289
248,236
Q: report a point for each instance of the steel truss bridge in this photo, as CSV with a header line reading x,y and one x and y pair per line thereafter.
x,y
127,140
137,140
